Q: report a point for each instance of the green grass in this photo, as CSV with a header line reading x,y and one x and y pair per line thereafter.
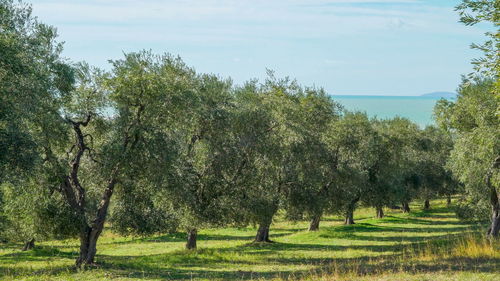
x,y
398,247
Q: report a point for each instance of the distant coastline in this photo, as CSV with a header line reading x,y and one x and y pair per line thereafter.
x,y
386,97
419,109
433,95
441,95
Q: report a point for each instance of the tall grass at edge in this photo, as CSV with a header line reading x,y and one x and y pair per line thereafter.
x,y
469,252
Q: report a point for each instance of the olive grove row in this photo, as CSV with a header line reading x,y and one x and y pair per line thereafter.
x,y
152,146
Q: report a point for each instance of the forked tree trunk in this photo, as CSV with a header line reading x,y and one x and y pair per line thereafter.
x,y
28,245
494,229
75,193
192,235
427,204
380,212
349,217
406,207
88,247
262,233
314,226
88,241
89,234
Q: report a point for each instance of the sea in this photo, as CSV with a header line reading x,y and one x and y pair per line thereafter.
x,y
418,109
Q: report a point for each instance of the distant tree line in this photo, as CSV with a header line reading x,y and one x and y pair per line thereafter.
x,y
152,146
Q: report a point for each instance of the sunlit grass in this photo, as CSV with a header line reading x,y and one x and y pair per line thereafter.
x,y
411,246
467,257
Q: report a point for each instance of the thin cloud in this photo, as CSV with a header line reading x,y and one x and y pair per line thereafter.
x,y
306,39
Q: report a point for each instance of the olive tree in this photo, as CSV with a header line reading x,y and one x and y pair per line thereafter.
x,y
200,187
34,81
203,193
266,136
385,172
310,170
111,131
475,158
474,120
434,179
352,142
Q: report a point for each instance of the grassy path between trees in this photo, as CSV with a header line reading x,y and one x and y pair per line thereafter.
x,y
431,245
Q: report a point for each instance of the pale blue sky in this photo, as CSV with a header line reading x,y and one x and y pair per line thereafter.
x,y
371,47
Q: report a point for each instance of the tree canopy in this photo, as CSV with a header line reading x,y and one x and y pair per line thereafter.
x,y
153,146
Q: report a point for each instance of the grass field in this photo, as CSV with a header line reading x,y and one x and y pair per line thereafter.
x,y
431,245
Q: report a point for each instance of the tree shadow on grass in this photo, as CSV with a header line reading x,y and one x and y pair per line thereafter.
x,y
211,237
39,253
170,237
17,272
172,273
347,231
181,237
42,254
217,263
333,219
10,246
121,267
407,239
436,212
412,220
287,230
263,249
394,264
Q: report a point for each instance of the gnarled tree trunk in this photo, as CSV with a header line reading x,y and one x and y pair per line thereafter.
x,y
89,234
28,245
75,196
427,204
192,235
380,212
314,226
406,207
262,233
88,247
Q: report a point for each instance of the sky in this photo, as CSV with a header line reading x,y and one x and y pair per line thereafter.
x,y
358,47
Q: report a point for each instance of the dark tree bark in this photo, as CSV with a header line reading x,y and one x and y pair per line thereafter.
x,y
28,245
89,234
192,235
263,233
380,212
75,194
494,229
265,223
314,226
427,204
406,207
85,257
349,218
448,200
